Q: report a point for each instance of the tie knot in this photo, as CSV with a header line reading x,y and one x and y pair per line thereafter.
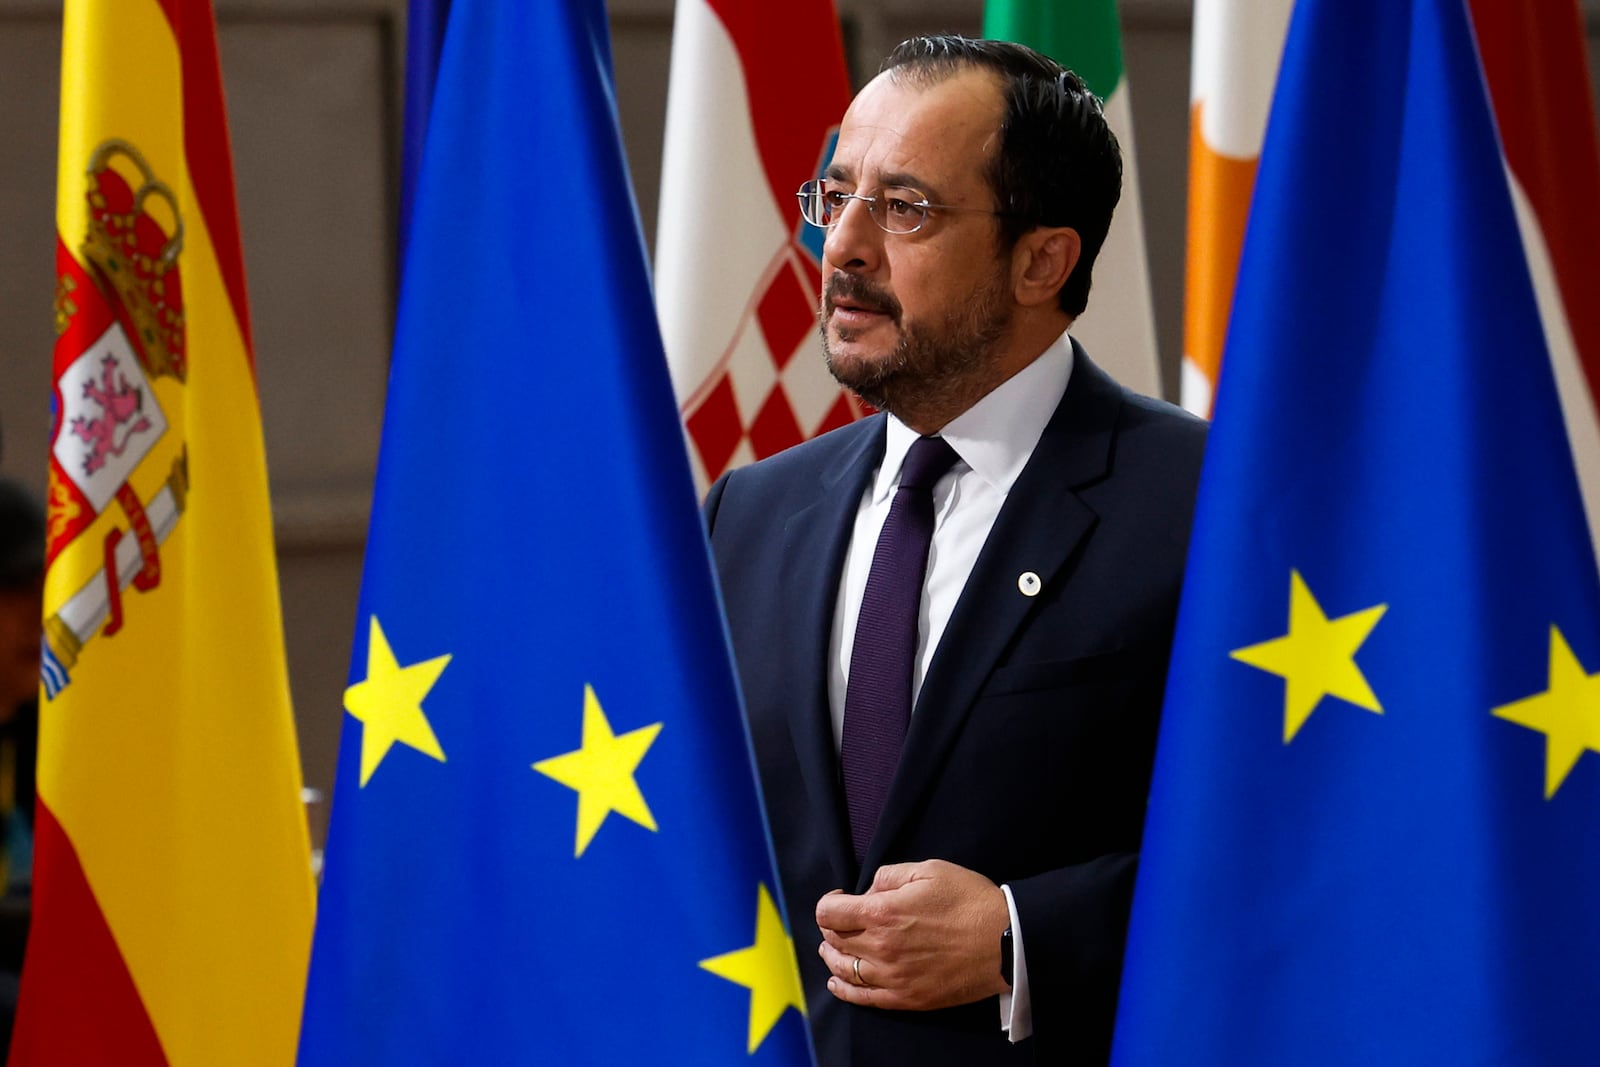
x,y
927,462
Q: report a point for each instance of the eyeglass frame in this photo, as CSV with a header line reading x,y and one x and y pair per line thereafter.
x,y
817,193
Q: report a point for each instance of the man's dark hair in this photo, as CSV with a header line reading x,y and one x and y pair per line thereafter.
x,y
1058,164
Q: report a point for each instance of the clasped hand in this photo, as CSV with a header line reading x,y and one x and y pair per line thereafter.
x,y
926,935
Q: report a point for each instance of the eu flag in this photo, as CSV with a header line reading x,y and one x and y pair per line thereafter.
x,y
546,840
1374,831
425,25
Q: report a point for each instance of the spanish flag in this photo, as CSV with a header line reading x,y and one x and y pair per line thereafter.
x,y
173,896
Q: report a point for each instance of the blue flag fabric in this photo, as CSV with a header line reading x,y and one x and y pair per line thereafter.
x,y
425,25
546,841
1374,830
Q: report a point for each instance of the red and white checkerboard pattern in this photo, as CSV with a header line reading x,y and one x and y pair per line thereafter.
x,y
753,107
771,390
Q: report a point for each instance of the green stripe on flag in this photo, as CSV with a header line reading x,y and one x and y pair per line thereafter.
x,y
1080,34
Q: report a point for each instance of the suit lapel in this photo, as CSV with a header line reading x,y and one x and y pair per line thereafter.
x,y
1037,530
815,539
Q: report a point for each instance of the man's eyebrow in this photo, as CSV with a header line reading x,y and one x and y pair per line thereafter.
x,y
838,172
902,180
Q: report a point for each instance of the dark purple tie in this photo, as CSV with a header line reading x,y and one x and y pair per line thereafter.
x,y
877,698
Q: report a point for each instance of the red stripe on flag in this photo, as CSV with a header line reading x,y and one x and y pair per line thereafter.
x,y
79,1003
793,62
1533,58
206,148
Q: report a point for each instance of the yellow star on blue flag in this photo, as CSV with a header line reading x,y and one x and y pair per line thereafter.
x,y
601,771
388,702
535,515
1567,713
1389,434
767,968
1316,658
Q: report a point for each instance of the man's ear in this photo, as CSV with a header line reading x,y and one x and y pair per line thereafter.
x,y
1041,263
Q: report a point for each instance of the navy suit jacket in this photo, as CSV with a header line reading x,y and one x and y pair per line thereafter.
x,y
1029,752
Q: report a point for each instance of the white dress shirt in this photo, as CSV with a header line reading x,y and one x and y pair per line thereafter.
x,y
994,440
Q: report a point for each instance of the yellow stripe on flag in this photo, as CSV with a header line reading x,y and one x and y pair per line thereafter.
x,y
170,757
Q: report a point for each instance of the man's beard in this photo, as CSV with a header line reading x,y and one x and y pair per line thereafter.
x,y
940,367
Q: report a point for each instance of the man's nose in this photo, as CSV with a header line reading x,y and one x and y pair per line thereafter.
x,y
854,242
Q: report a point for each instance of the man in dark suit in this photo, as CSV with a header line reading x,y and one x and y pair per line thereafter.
x,y
957,808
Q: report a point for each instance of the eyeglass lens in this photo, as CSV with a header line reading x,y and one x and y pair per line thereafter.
x,y
893,213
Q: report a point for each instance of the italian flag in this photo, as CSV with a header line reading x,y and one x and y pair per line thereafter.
x,y
1534,63
172,895
1118,327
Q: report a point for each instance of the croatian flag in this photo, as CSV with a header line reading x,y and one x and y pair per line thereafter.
x,y
753,108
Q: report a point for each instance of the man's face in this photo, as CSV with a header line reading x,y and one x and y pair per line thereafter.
x,y
909,316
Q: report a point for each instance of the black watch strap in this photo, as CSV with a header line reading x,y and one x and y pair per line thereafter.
x,y
1007,959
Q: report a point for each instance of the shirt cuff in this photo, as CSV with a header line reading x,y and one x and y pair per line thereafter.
x,y
1016,1007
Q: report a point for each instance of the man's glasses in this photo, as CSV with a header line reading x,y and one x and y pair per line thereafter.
x,y
894,212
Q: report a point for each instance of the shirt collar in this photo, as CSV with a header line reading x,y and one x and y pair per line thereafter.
x,y
996,436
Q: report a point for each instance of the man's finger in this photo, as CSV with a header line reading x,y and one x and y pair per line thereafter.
x,y
845,965
868,995
893,876
864,995
842,912
846,941
836,960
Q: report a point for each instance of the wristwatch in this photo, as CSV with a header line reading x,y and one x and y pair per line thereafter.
x,y
1007,963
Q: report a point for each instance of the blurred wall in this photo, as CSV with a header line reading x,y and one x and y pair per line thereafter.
x,y
313,95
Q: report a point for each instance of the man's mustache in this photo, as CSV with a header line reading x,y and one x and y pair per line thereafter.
x,y
861,293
